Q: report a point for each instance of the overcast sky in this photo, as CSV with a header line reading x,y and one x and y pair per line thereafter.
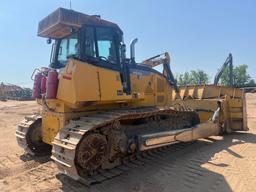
x,y
199,34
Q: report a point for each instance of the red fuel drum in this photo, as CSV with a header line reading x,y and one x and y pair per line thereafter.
x,y
52,84
43,85
37,86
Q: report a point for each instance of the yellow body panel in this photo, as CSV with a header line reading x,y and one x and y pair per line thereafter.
x,y
51,124
110,85
83,82
79,82
154,87
143,83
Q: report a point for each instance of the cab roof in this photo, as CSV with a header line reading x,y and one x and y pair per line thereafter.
x,y
59,23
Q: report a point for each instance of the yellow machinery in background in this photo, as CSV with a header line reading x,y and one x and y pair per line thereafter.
x,y
100,107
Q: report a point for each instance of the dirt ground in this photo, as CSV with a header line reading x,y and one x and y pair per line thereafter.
x,y
215,164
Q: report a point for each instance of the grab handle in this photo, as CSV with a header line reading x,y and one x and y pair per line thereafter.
x,y
32,76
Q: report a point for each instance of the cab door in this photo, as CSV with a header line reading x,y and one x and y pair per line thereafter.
x,y
101,46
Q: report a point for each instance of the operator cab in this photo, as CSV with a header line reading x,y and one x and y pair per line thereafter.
x,y
83,37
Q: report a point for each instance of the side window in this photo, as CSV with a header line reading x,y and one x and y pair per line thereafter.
x,y
106,44
68,47
62,57
73,46
90,49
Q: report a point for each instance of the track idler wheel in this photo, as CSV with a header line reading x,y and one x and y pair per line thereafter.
x,y
91,152
34,140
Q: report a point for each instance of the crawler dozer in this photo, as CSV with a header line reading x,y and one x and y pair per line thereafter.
x,y
100,108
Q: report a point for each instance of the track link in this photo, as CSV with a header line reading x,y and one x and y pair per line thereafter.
x,y
29,136
22,132
67,140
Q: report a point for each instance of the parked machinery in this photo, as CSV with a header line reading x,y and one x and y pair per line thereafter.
x,y
228,64
99,107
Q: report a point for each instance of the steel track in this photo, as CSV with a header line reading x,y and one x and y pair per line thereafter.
x,y
67,140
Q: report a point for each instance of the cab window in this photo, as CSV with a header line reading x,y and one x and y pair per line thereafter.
x,y
106,45
68,47
90,46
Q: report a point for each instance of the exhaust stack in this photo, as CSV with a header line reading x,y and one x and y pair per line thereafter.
x,y
132,49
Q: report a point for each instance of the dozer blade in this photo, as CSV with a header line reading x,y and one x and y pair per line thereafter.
x,y
204,100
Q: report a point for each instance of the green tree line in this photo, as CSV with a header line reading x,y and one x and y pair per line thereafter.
x,y
199,77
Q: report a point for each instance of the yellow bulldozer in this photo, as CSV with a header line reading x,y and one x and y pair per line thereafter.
x,y
100,107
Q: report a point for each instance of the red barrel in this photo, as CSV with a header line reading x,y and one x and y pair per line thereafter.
x,y
43,85
37,86
52,84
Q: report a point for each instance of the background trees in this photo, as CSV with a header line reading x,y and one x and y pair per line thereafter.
x,y
193,78
241,76
199,77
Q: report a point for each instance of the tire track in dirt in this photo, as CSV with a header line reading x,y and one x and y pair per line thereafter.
x,y
181,162
174,165
32,176
170,169
11,165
